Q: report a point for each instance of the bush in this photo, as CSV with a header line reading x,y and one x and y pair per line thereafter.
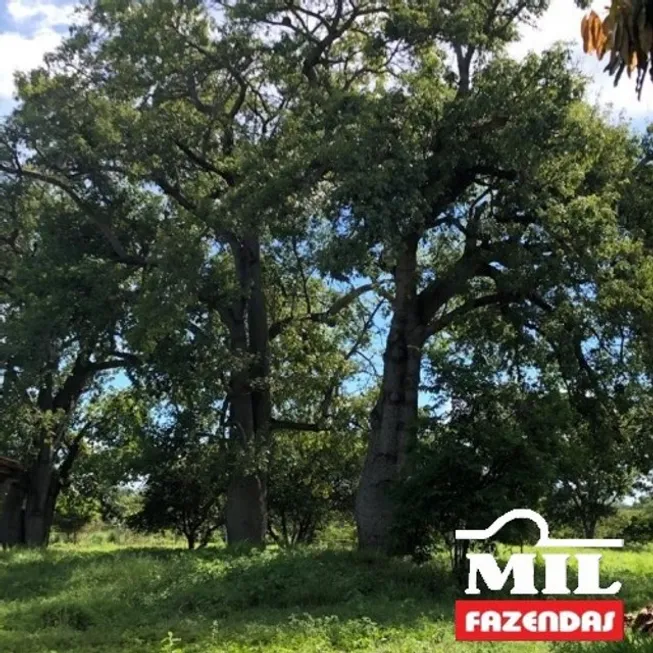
x,y
640,528
313,479
74,511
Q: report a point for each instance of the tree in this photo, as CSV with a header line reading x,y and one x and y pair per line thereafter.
x,y
470,198
63,313
223,168
600,462
640,527
74,510
100,483
464,476
487,442
186,483
164,441
582,432
195,110
313,478
457,205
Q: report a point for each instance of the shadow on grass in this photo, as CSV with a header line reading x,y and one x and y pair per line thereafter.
x,y
28,573
144,593
128,599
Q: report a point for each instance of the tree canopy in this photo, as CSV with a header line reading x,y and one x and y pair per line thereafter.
x,y
231,229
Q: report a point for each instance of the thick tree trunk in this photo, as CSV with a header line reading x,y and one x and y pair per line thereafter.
x,y
39,489
42,494
394,417
246,513
28,511
12,522
29,504
190,540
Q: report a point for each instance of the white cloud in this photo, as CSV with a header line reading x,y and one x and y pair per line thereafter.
x,y
562,23
23,53
49,14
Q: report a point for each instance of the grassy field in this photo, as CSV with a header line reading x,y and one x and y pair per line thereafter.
x,y
142,599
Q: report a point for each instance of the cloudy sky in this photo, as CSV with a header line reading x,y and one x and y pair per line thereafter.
x,y
29,28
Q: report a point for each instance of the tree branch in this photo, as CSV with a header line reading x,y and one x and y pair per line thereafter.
x,y
323,317
440,291
226,175
87,208
289,425
449,318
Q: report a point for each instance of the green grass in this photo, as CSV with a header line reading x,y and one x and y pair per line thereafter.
x,y
108,597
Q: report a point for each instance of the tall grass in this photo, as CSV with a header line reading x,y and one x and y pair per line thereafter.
x,y
141,598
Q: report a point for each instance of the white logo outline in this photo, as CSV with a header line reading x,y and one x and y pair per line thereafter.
x,y
541,523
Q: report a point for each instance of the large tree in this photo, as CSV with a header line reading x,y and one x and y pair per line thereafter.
x,y
64,308
391,143
474,180
160,96
503,380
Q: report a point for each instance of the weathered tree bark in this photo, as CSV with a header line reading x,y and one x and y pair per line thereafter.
x,y
416,317
246,513
42,494
251,411
393,419
12,523
28,507
29,504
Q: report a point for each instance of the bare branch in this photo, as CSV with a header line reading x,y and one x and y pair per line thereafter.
x,y
323,317
289,425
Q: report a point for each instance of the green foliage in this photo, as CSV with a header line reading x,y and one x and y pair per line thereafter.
x,y
603,455
119,504
614,525
465,473
185,481
182,193
640,527
312,479
507,429
466,23
74,511
63,312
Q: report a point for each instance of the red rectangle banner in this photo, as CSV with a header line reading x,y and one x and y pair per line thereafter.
x,y
546,621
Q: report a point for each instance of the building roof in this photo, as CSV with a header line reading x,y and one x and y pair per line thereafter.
x,y
10,469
